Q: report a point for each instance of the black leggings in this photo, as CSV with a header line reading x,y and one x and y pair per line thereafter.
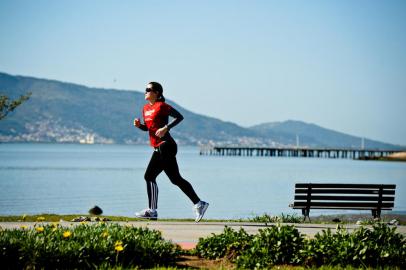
x,y
164,159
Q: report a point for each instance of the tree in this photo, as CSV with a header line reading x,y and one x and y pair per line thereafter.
x,y
7,105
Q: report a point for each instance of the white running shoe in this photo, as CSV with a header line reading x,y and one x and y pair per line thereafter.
x,y
200,209
148,214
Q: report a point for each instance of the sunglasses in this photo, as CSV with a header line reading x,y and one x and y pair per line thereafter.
x,y
147,90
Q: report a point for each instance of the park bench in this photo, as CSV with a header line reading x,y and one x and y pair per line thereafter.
x,y
372,197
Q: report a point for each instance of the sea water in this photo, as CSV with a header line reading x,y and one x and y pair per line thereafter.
x,y
71,178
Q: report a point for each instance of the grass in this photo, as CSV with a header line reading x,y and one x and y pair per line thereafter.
x,y
69,217
353,218
54,218
265,218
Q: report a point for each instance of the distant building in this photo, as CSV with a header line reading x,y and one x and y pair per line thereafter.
x,y
89,139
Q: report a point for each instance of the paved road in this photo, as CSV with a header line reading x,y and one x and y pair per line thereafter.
x,y
190,232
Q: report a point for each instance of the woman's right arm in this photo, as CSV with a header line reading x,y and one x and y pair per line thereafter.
x,y
138,124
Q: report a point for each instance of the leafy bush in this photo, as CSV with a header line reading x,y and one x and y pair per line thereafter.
x,y
84,246
273,245
379,246
227,244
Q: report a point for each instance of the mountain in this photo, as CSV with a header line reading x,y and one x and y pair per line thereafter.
x,y
289,132
66,112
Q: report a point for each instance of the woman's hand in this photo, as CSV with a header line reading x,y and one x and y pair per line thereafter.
x,y
161,132
137,122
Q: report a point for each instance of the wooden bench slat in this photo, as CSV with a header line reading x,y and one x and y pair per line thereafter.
x,y
343,204
344,198
343,191
341,208
326,185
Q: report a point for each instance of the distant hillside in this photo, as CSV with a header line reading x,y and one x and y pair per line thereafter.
x,y
313,135
66,112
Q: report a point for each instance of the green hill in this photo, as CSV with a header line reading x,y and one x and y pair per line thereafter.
x,y
66,112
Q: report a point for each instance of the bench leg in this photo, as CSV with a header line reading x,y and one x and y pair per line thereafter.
x,y
376,213
306,213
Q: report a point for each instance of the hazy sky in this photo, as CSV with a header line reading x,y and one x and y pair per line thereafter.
x,y
339,64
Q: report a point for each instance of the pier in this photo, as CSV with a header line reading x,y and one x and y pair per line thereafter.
x,y
303,152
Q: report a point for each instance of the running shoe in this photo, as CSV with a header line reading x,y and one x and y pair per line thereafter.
x,y
200,209
148,214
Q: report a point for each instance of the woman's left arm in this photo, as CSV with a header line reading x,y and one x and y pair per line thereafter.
x,y
177,118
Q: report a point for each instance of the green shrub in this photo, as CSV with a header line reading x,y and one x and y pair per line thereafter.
x,y
84,246
227,244
376,247
380,246
273,245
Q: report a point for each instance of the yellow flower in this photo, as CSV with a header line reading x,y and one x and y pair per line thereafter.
x,y
39,229
105,234
23,227
119,248
118,243
67,234
39,219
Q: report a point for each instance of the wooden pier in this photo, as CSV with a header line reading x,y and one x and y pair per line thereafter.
x,y
295,152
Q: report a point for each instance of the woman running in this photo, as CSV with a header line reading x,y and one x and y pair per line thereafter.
x,y
156,116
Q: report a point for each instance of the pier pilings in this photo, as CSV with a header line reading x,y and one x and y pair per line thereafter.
x,y
349,153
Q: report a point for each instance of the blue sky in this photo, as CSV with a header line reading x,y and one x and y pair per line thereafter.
x,y
338,64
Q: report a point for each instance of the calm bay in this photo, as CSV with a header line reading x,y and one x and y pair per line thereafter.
x,y
71,178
